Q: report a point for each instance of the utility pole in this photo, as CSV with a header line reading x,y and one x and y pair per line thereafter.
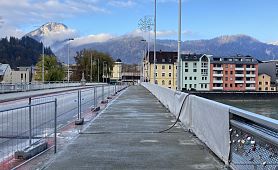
x,y
98,70
68,56
154,55
179,49
91,73
42,62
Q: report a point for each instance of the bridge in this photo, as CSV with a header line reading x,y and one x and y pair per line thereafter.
x,y
150,127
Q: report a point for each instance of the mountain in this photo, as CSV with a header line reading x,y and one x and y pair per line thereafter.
x,y
274,43
21,52
130,49
52,34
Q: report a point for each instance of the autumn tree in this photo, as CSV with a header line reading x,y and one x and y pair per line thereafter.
x,y
101,63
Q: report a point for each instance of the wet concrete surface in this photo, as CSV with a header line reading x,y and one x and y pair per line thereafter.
x,y
125,136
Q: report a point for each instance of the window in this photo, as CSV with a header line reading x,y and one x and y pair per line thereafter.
x,y
260,89
185,64
260,83
190,85
185,78
226,78
163,67
163,82
231,85
21,75
266,89
185,86
204,72
201,86
170,74
190,78
163,60
163,74
194,65
195,78
266,83
169,82
226,72
231,79
195,70
195,86
206,85
231,72
155,74
226,85
170,67
155,66
226,66
203,78
170,60
185,70
155,81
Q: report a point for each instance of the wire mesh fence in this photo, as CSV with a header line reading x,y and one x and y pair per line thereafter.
x,y
23,127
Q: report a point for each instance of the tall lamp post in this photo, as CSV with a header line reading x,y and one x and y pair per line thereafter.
x,y
42,62
70,39
154,50
103,64
145,25
179,49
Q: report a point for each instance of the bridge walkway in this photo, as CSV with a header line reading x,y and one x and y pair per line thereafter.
x,y
125,136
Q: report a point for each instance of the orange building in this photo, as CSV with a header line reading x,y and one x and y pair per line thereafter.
x,y
237,73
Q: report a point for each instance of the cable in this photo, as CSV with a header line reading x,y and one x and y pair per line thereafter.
x,y
165,130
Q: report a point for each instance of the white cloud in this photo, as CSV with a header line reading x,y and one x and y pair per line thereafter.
x,y
92,38
7,31
123,4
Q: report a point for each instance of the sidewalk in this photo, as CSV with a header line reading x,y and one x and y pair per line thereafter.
x,y
125,136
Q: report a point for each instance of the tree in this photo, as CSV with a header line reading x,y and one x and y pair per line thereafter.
x,y
53,70
83,65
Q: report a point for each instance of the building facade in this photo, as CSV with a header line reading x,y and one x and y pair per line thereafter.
x,y
5,73
166,69
265,83
236,73
195,72
117,71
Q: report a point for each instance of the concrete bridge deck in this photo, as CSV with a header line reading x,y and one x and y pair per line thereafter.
x,y
125,136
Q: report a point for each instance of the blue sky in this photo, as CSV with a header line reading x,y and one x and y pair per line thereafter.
x,y
201,19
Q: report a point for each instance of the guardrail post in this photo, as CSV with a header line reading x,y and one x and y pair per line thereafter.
x,y
30,121
55,127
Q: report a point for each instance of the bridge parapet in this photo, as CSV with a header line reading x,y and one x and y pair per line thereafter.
x,y
242,139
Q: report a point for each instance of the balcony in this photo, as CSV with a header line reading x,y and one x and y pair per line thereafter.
x,y
239,75
250,88
239,81
239,68
217,81
250,82
217,88
217,75
218,68
250,69
250,75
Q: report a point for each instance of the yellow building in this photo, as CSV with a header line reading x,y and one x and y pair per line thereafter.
x,y
117,71
265,83
166,70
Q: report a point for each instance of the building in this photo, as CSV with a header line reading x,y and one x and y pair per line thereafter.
x,y
195,72
5,73
271,69
265,83
131,74
236,73
21,75
165,68
116,72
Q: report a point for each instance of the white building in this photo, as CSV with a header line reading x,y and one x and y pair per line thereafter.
x,y
5,73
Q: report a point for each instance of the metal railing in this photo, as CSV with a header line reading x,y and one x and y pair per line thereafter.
x,y
19,87
28,122
254,141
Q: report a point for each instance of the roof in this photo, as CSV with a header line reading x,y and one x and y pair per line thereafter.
x,y
238,59
3,68
193,57
163,57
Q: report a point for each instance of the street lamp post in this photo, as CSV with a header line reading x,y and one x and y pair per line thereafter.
x,y
91,73
70,39
103,64
42,62
154,51
179,48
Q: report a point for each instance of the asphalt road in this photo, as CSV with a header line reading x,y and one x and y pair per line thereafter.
x,y
14,124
